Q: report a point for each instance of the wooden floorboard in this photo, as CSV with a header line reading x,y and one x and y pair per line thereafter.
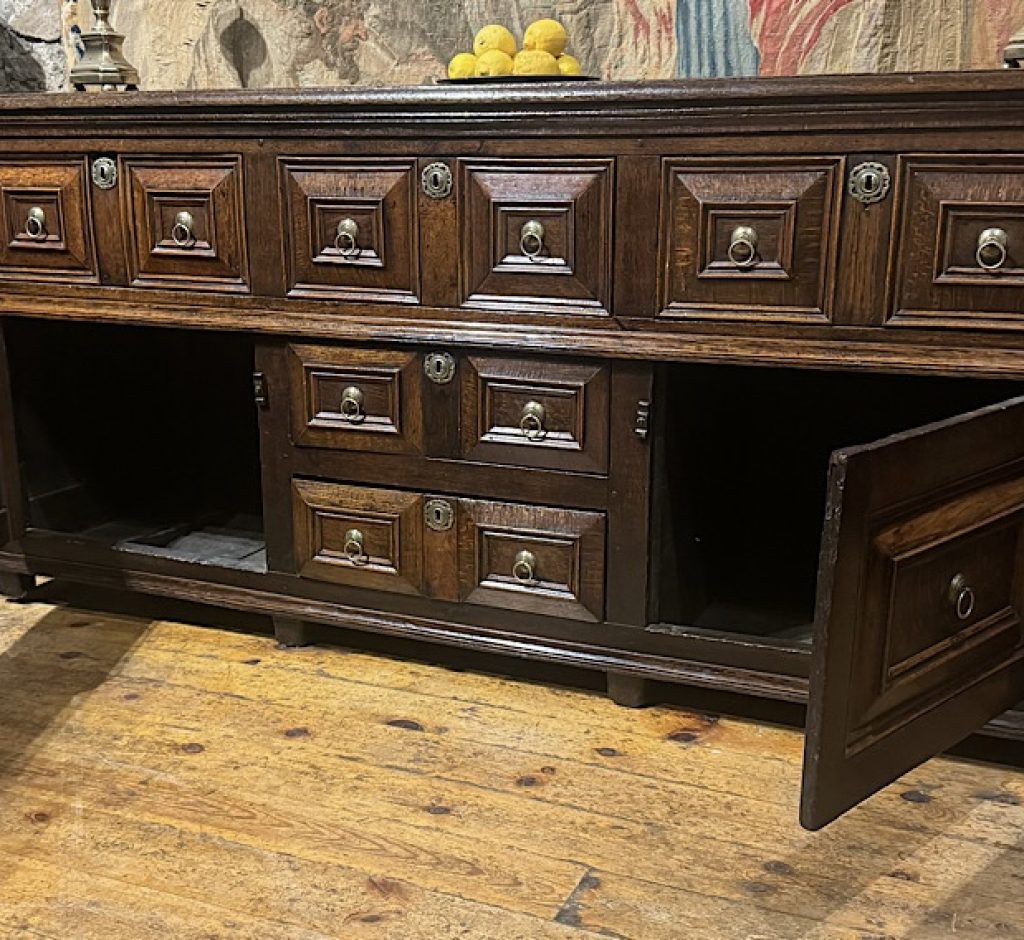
x,y
161,779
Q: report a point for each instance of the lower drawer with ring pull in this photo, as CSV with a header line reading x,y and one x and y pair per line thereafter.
x,y
536,559
535,413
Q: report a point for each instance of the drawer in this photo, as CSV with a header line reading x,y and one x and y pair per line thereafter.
x,y
536,237
185,223
359,536
538,560
356,399
749,239
45,224
958,255
351,231
535,413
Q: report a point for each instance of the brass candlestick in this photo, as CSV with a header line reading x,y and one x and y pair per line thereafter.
x,y
103,66
1013,54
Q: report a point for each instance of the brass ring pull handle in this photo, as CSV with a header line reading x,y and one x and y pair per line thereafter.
x,y
354,548
531,239
524,569
961,596
183,234
352,405
346,241
532,421
35,224
992,249
743,246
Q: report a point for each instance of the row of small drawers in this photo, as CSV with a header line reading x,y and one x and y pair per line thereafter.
x,y
534,414
743,238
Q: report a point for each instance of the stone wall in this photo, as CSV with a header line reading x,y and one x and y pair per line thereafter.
x,y
262,43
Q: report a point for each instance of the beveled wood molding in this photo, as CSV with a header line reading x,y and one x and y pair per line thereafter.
x,y
678,108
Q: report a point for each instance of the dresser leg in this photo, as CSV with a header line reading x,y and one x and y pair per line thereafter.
x,y
629,691
15,586
291,632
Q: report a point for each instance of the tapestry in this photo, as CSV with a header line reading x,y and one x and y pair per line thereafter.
x,y
264,43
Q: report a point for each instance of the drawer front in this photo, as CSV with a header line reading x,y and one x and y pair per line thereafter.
x,y
537,237
185,223
351,229
535,413
45,230
953,602
356,399
538,560
359,536
958,258
749,240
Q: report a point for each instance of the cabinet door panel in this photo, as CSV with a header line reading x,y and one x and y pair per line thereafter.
x,y
920,622
537,236
356,399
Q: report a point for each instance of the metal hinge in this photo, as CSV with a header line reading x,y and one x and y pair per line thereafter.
x,y
260,391
642,426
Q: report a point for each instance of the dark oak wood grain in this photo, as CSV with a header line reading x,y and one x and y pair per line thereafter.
x,y
507,416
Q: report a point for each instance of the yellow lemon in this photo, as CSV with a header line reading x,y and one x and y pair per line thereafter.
x,y
536,62
547,36
494,62
462,66
568,65
494,37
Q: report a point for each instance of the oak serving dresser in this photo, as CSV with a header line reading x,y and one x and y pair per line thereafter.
x,y
713,383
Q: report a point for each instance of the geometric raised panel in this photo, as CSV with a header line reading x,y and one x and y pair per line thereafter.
x,y
356,399
359,536
749,240
919,627
948,206
535,413
351,230
45,230
567,269
209,254
533,559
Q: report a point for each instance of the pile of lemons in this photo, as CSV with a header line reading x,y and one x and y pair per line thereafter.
x,y
495,53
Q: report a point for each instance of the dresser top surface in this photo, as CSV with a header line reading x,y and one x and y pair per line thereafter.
x,y
970,93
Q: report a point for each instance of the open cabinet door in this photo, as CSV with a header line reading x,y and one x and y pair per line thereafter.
x,y
918,628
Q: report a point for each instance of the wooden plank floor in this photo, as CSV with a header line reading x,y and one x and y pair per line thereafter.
x,y
166,780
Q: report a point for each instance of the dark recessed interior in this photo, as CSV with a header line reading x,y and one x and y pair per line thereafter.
x,y
741,478
142,439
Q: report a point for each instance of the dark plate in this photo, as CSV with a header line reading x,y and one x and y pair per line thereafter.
x,y
515,79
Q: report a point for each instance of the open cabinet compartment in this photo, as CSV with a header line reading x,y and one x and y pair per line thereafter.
x,y
138,440
879,519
